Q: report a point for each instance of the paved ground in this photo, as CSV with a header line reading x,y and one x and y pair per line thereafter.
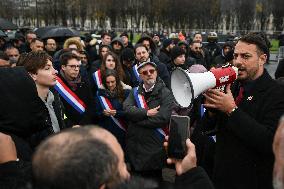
x,y
271,67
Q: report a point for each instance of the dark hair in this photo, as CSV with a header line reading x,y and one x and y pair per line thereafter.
x,y
118,66
33,61
258,39
45,41
30,32
194,41
9,47
85,163
4,56
36,39
65,57
119,88
196,34
140,45
21,59
103,46
104,34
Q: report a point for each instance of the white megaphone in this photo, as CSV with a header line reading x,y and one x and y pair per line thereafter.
x,y
187,86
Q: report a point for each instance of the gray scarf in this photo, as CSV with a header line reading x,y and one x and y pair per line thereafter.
x,y
53,118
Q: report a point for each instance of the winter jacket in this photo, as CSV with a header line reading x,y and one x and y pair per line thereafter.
x,y
73,117
144,147
243,156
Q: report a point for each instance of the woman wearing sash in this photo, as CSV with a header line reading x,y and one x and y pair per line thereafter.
x,y
111,62
109,101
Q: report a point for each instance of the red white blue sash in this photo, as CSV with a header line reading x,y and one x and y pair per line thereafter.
x,y
70,96
105,103
141,103
98,78
134,68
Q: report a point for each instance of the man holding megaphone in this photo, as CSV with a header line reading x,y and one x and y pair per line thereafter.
x,y
246,117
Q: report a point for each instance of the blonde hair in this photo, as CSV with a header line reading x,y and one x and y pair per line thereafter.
x,y
75,41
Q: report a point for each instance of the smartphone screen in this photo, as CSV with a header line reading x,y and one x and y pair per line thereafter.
x,y
179,132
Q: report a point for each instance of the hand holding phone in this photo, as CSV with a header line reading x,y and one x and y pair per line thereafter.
x,y
188,162
179,132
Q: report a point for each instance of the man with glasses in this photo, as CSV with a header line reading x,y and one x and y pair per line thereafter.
x,y
245,119
148,109
74,91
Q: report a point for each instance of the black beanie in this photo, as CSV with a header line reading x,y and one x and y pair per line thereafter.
x,y
176,51
167,42
127,54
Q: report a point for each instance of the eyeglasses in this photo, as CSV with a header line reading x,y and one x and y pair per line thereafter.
x,y
74,66
151,71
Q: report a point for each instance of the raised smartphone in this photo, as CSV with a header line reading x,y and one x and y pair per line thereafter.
x,y
179,132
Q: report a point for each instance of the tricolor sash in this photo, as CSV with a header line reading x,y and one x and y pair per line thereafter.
x,y
141,103
134,68
69,96
105,103
98,78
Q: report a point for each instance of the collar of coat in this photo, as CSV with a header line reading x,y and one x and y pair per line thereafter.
x,y
260,84
158,85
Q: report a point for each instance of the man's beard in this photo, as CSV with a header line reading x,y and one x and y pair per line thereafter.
x,y
150,82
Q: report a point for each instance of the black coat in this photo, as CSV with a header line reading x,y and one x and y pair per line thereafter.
x,y
23,113
165,56
280,69
163,72
18,175
198,59
84,92
143,146
46,128
15,175
244,157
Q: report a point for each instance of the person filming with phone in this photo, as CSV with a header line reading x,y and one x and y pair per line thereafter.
x,y
148,109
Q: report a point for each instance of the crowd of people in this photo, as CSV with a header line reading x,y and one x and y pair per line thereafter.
x,y
51,97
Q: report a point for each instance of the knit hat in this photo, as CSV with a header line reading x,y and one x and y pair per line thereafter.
x,y
167,42
127,54
176,51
